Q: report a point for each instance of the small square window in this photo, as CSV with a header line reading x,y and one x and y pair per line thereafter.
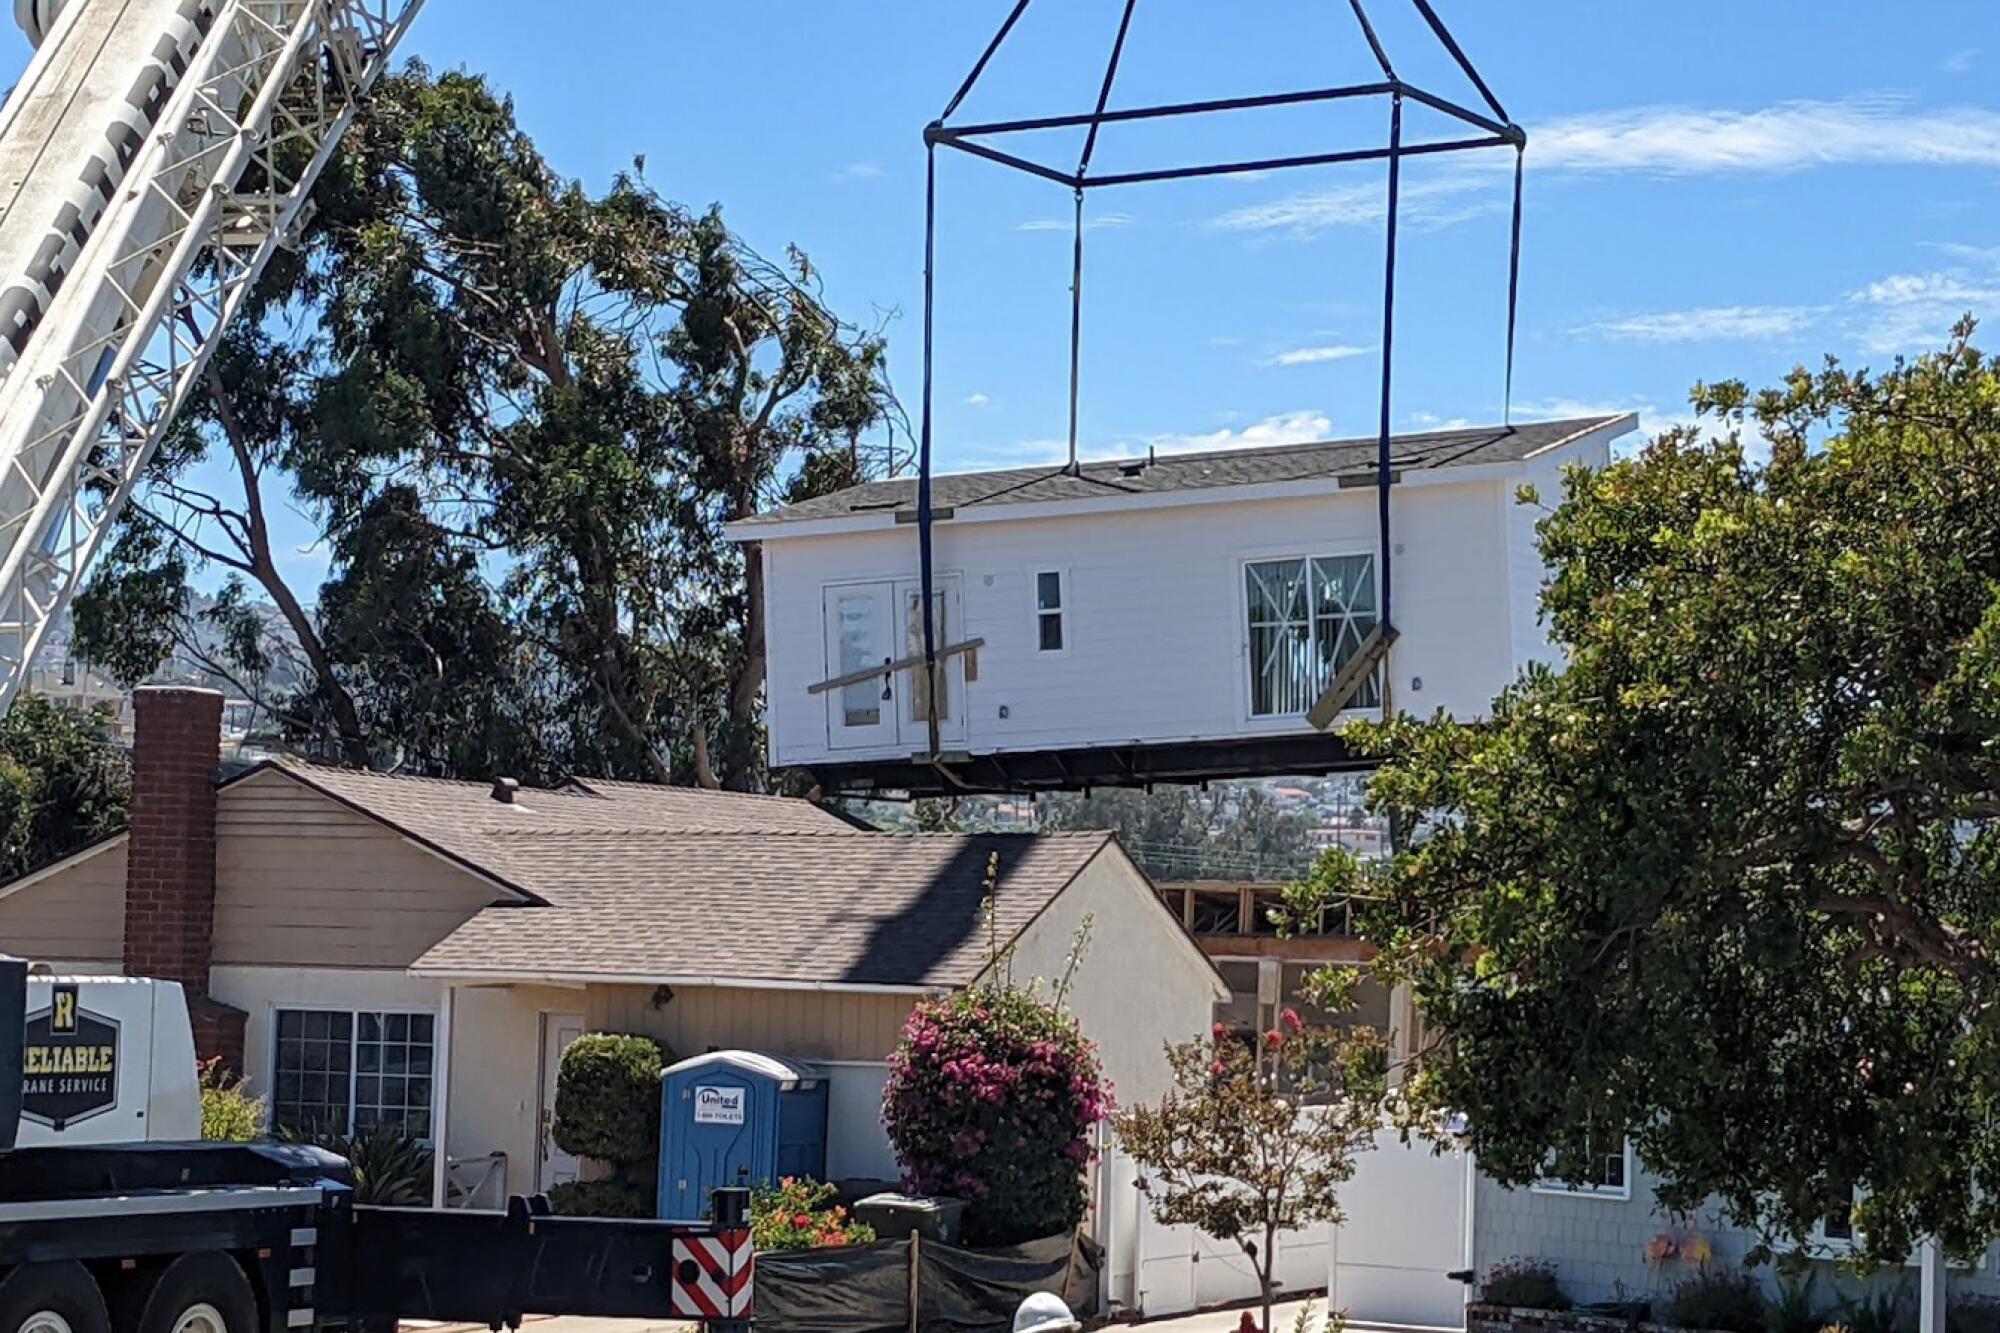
x,y
1609,1175
1048,591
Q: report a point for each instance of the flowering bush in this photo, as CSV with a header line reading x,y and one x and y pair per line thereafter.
x,y
992,1097
800,1215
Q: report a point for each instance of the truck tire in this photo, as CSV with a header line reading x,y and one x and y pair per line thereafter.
x,y
204,1292
52,1298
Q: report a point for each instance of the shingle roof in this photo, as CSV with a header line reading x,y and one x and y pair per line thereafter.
x,y
846,907
462,820
1185,472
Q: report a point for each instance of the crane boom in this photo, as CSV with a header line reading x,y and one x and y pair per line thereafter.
x,y
154,155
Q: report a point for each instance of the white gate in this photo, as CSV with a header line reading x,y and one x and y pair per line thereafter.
x,y
1406,1228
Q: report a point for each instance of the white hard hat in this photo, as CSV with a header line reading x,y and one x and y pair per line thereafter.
x,y
1044,1312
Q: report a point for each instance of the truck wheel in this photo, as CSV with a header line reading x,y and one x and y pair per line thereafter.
x,y
52,1298
204,1292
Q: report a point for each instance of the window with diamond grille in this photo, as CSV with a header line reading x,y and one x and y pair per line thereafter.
x,y
1308,617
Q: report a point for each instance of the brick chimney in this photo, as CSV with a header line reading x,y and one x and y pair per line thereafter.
x,y
170,856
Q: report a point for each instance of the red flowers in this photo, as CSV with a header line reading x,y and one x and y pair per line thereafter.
x,y
1274,1038
1290,1018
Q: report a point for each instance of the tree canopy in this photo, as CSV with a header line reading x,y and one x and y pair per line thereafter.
x,y
518,413
1727,883
64,783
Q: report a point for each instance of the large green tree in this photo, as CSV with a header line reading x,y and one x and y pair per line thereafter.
x,y
1729,884
64,783
520,413
1230,830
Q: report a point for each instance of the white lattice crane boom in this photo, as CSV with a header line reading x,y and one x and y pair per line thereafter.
x,y
153,156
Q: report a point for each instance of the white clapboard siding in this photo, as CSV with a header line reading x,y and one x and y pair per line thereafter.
x,y
1155,621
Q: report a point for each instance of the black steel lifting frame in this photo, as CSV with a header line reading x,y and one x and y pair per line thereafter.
x,y
1495,131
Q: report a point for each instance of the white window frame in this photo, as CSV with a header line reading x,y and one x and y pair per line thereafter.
x,y
1061,613
1832,1248
1608,1193
1244,561
354,1014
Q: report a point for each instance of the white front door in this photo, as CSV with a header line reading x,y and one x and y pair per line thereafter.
x,y
859,619
873,624
554,1166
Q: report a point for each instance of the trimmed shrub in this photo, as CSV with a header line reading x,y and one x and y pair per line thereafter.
x,y
608,1110
608,1097
1524,1284
229,1114
1730,1302
800,1214
992,1097
602,1198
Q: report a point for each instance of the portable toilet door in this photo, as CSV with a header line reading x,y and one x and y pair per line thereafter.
x,y
720,1125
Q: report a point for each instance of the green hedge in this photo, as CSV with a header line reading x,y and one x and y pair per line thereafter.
x,y
608,1110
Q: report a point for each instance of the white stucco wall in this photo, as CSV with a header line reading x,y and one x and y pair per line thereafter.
x,y
1156,645
496,1073
1142,984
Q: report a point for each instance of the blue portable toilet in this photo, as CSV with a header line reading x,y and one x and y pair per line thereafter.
x,y
736,1118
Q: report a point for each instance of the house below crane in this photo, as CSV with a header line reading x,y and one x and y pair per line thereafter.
x,y
1156,619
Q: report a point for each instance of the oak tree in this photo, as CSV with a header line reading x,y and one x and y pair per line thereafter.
x,y
1729,882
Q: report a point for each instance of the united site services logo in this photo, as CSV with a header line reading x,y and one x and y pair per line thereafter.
x,y
69,1065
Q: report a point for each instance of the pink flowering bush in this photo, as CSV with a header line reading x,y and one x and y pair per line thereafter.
x,y
992,1098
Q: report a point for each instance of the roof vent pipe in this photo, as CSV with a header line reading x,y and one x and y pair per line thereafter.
x,y
504,789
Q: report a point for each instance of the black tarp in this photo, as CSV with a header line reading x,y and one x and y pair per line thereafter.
x,y
866,1288
847,1289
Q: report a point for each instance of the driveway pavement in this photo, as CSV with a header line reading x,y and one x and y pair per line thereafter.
x,y
1214,1321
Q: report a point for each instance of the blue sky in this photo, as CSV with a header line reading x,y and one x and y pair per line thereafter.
x,y
1713,190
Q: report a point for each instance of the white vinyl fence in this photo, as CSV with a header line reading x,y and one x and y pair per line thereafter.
x,y
1407,1227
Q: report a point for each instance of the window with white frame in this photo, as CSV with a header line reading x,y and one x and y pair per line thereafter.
x,y
1607,1174
1050,604
342,1071
1307,617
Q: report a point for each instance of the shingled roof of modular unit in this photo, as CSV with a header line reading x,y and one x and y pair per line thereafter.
x,y
1153,475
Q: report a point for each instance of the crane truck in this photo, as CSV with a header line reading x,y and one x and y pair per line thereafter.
x,y
153,156
112,1220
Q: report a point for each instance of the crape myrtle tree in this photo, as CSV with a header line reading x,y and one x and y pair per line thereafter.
x,y
1255,1138
518,413
1729,884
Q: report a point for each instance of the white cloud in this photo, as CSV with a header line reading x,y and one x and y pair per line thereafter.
x,y
1959,62
1313,356
977,400
1652,421
1666,141
1790,136
1915,311
1432,421
1090,223
1704,324
1300,427
857,171
1427,204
